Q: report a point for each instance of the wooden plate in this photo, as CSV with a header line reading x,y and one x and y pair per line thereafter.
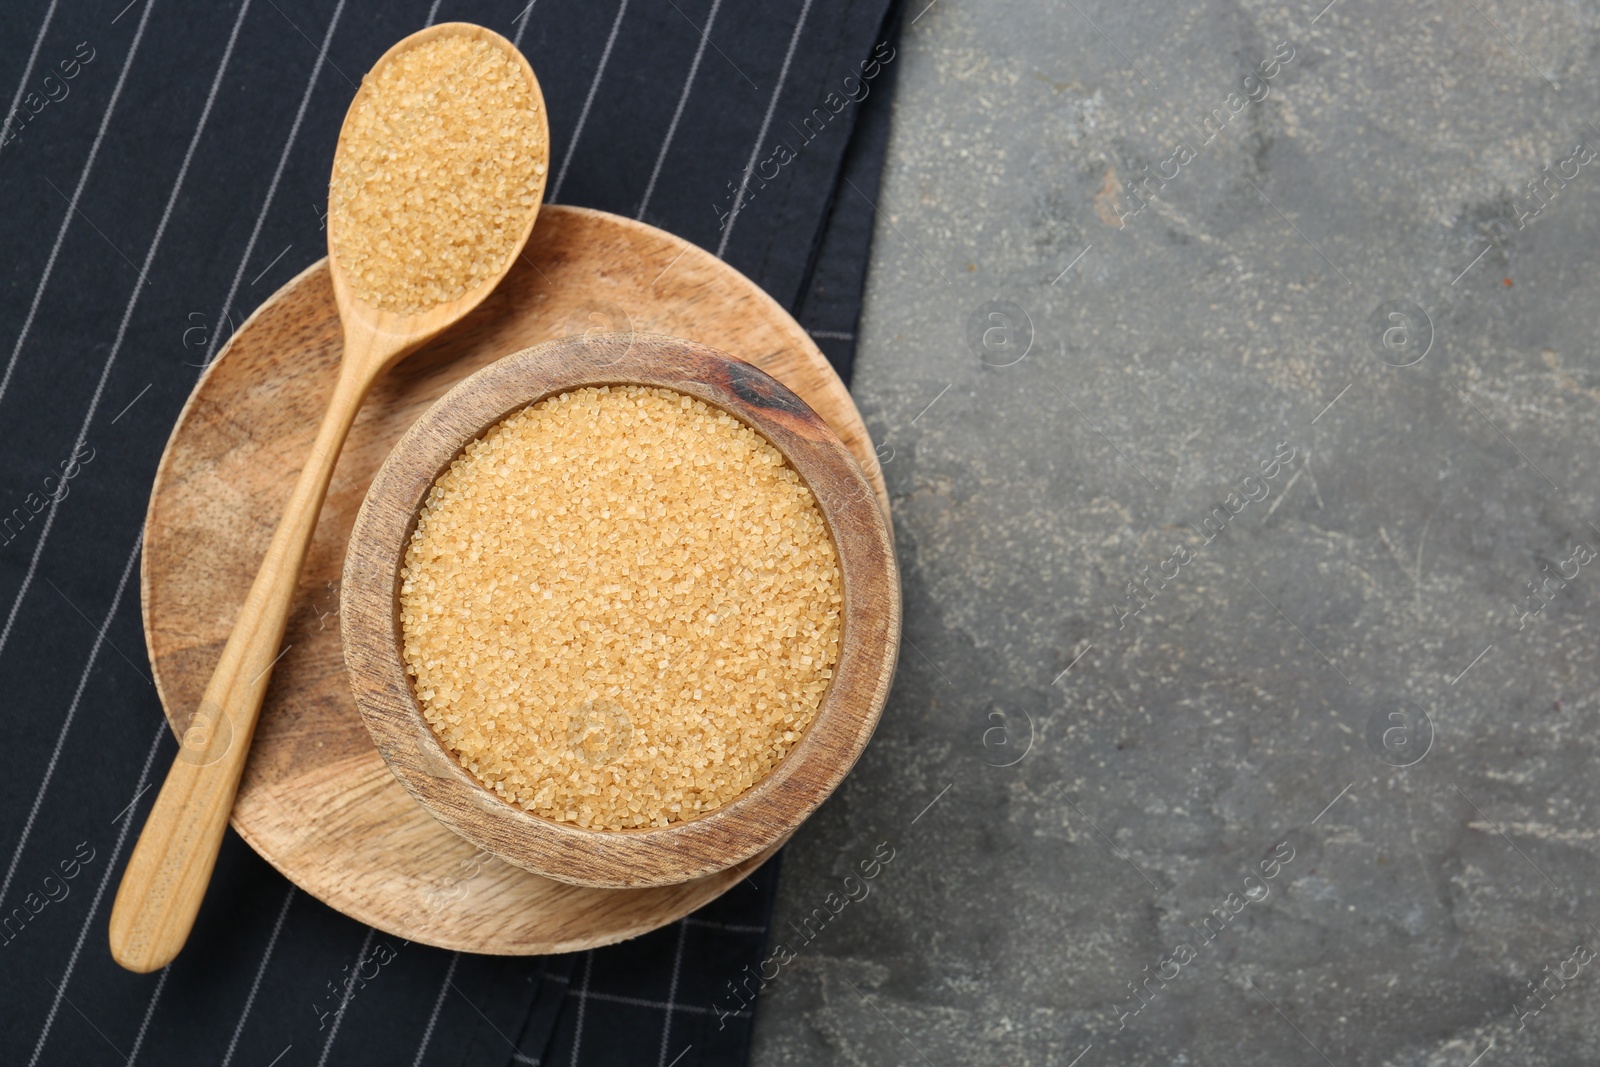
x,y
317,801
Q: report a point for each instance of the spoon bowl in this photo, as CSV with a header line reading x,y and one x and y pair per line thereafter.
x,y
373,332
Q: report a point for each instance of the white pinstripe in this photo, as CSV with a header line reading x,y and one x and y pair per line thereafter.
x,y
588,101
433,13
66,720
766,124
261,969
433,1016
641,1002
277,176
672,992
127,312
94,905
522,23
683,99
583,1003
72,204
27,72
144,1025
344,1000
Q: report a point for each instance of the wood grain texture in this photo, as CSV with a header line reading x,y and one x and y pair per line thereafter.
x,y
170,866
776,805
316,799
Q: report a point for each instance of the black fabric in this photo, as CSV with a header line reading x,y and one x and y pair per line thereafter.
x,y
163,170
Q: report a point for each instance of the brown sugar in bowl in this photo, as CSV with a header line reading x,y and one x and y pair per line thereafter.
x,y
776,804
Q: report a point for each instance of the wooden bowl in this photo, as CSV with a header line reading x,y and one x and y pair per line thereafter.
x,y
771,809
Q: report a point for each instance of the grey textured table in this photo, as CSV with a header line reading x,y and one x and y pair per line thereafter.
x,y
1323,383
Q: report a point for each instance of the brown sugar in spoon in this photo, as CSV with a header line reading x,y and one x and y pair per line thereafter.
x,y
437,179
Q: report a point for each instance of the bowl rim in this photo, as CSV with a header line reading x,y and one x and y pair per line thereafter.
x,y
774,806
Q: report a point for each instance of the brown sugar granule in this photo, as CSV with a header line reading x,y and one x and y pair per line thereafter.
x,y
439,168
621,607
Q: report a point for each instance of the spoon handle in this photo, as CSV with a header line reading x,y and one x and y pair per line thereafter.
x,y
171,864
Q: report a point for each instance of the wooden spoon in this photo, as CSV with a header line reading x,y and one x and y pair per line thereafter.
x,y
167,874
